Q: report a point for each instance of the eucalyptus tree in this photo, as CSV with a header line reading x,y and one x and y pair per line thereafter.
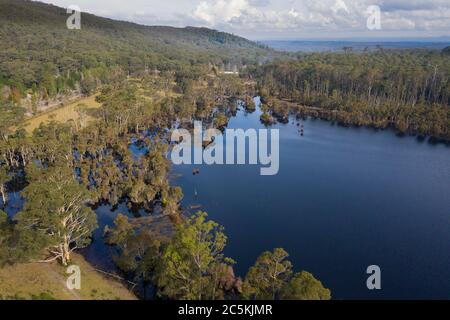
x,y
137,252
190,266
4,177
11,116
56,212
272,278
407,89
267,277
303,286
51,143
171,200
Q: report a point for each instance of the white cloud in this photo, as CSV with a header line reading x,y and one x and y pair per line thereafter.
x,y
221,11
339,5
282,18
323,16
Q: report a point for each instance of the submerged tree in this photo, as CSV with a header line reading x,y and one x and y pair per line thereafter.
x,y
271,278
303,286
267,277
56,212
171,201
220,120
190,264
137,252
4,177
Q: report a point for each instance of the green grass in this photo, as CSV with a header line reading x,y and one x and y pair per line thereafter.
x,y
47,281
65,113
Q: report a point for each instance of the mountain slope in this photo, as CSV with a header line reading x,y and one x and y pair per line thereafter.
x,y
35,39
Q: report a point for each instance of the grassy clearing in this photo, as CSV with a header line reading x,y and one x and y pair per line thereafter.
x,y
66,113
69,111
44,281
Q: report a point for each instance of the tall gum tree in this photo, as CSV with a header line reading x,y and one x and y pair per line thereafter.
x,y
56,209
3,179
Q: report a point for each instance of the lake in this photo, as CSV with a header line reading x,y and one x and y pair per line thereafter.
x,y
344,199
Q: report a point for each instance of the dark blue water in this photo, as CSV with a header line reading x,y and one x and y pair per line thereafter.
x,y
344,199
98,253
14,204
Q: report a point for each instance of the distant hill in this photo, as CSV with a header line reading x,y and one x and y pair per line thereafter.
x,y
358,46
34,37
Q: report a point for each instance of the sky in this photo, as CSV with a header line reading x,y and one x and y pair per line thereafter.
x,y
285,19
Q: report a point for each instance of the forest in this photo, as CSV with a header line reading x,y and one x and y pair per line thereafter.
x,y
63,171
41,58
408,90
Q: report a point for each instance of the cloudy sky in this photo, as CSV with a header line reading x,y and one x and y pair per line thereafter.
x,y
285,19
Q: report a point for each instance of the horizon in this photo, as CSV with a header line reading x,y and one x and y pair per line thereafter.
x,y
437,39
287,20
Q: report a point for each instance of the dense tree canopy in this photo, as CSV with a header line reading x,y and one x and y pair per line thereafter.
x,y
407,89
272,278
267,277
191,263
303,286
39,53
56,212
